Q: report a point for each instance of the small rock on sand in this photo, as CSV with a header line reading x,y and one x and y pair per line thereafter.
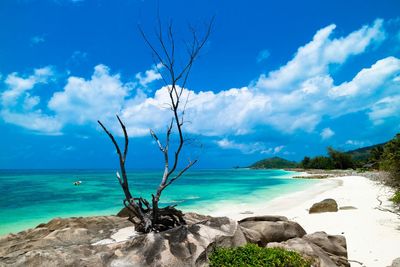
x,y
326,205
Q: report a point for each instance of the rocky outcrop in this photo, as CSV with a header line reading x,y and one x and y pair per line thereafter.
x,y
265,229
333,244
277,231
395,263
183,246
111,241
61,242
310,250
326,205
89,242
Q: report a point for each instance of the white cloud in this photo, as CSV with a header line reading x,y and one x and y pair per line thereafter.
x,y
78,57
228,144
278,149
263,55
385,108
19,107
295,97
81,101
369,87
150,75
355,143
314,58
248,148
17,86
208,113
368,79
33,120
68,148
37,39
240,111
327,133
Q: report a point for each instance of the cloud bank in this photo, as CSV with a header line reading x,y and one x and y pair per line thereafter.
x,y
294,97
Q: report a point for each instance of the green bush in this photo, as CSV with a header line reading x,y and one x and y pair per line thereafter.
x,y
321,162
390,160
252,255
340,160
396,197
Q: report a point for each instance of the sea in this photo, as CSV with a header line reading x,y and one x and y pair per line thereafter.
x,y
31,197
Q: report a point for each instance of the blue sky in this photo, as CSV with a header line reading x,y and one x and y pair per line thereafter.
x,y
275,79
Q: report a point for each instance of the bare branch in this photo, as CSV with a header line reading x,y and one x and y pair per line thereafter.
x,y
160,146
152,48
150,216
197,46
124,183
184,108
172,41
168,135
161,40
125,136
112,138
191,163
119,178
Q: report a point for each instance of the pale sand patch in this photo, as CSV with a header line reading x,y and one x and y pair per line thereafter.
x,y
121,235
373,236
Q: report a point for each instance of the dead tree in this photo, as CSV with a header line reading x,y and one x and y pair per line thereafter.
x,y
149,216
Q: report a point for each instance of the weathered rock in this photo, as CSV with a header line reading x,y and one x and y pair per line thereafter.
x,y
70,242
268,218
334,244
247,212
395,263
326,205
252,236
264,229
347,208
308,249
183,246
192,218
96,241
61,242
124,212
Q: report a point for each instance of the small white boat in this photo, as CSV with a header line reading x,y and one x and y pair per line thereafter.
x,y
77,183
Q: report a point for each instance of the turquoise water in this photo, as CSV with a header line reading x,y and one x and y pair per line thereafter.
x,y
28,198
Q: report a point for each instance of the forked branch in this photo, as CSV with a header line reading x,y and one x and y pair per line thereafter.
x,y
121,156
148,216
175,80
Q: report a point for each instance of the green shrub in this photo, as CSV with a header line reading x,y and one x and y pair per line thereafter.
x,y
340,160
390,160
252,255
396,197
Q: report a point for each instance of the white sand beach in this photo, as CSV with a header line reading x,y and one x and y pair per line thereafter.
x,y
373,234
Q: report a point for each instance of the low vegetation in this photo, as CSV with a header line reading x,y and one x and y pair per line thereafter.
x,y
383,157
335,160
364,155
252,255
396,197
389,160
274,163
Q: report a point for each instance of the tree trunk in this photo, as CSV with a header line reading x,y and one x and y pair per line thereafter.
x,y
148,217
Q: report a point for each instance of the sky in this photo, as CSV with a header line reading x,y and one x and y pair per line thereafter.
x,y
275,78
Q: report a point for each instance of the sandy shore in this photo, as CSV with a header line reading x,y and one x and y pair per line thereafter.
x,y
373,234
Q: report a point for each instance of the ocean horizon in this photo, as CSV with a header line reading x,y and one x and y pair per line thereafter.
x,y
31,197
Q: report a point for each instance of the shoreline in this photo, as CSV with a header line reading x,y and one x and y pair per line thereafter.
x,y
275,205
202,205
372,233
